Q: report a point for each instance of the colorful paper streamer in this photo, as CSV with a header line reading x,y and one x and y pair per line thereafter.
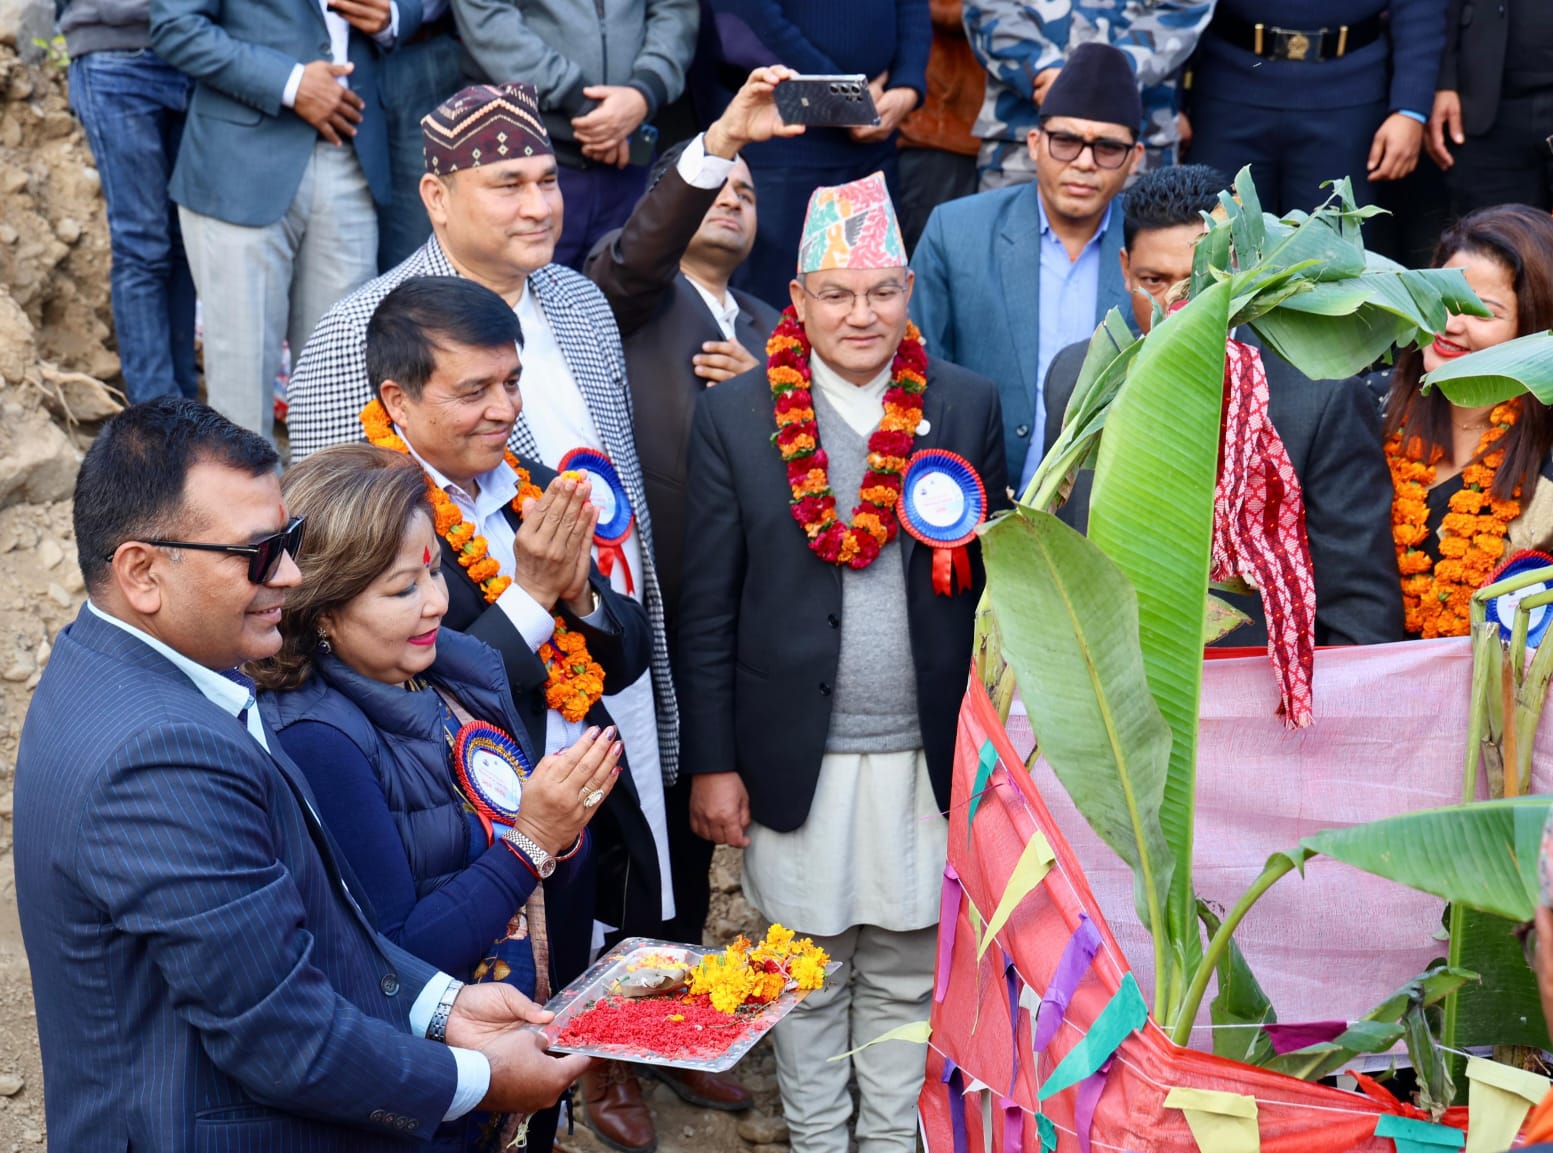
x,y
986,761
1012,980
1498,1099
1013,1126
1220,1122
954,1082
1087,1099
916,1031
1034,863
1076,958
1122,1016
948,923
1413,1136
1048,1131
1288,1038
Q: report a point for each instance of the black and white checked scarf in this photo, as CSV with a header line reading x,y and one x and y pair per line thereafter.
x,y
329,389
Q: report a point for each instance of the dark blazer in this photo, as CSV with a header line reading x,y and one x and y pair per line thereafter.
x,y
760,626
1332,432
1476,35
663,323
203,978
978,297
627,861
243,151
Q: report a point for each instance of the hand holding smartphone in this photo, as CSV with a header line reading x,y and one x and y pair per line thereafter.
x,y
827,101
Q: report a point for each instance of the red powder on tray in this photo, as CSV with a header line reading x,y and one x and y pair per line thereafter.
x,y
666,1026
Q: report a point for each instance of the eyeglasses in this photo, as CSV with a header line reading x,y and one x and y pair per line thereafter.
x,y
263,555
1066,147
1526,934
880,297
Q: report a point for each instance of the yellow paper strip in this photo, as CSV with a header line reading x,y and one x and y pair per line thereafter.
x,y
1498,1098
1220,1122
917,1031
1034,863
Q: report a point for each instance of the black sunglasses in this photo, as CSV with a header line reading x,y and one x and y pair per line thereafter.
x,y
263,555
1067,146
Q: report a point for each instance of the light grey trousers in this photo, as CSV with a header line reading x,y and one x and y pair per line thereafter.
x,y
261,286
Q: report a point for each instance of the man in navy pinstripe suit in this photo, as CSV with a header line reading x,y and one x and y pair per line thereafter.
x,y
204,978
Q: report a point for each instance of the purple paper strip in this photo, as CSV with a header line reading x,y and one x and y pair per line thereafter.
x,y
1011,976
956,1082
948,921
1088,1097
1288,1038
1013,1126
1076,957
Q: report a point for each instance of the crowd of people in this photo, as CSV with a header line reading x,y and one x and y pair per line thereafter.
x,y
567,344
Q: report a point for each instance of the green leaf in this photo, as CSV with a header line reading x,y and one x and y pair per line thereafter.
x,y
1330,347
1495,374
1069,624
1152,513
1240,1006
1483,855
1505,1008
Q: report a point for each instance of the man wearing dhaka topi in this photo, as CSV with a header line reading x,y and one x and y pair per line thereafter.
x,y
831,574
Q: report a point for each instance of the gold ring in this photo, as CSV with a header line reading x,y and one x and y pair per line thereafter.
x,y
592,799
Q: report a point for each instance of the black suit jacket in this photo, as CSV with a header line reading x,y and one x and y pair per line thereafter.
x,y
1476,33
1332,432
663,323
760,628
628,892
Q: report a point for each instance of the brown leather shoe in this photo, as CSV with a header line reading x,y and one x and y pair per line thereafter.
x,y
614,1110
709,1090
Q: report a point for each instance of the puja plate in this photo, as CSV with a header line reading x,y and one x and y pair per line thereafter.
x,y
603,979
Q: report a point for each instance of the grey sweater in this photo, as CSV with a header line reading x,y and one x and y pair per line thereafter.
x,y
104,25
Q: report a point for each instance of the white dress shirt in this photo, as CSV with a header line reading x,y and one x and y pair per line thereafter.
x,y
474,1070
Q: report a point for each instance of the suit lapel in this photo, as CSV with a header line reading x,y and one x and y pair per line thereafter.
x,y
1112,287
1021,274
933,413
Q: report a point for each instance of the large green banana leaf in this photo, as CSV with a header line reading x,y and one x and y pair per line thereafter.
x,y
1240,1007
1152,513
1069,627
1491,375
1483,855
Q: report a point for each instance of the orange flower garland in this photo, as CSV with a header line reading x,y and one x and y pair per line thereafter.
x,y
574,680
1437,595
874,523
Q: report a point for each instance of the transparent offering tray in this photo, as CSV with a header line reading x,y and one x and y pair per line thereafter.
x,y
632,1005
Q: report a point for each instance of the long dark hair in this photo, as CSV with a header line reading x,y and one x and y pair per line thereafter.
x,y
1519,238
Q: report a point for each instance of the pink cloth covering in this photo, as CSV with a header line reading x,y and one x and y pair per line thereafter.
x,y
1390,737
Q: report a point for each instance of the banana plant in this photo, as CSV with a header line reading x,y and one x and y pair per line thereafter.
x,y
1104,634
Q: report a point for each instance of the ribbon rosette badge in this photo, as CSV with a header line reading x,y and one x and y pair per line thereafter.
x,y
491,769
616,519
942,502
1501,609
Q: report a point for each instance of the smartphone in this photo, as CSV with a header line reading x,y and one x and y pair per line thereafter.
x,y
829,101
644,145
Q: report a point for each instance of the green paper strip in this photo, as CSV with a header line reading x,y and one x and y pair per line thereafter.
x,y
1122,1016
1047,1130
916,1031
1418,1136
986,761
1035,861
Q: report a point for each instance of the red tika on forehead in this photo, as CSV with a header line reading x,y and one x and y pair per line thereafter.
x,y
425,556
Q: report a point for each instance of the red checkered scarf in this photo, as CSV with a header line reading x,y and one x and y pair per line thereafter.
x,y
1259,529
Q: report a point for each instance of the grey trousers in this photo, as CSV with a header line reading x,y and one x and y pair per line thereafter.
x,y
261,286
887,980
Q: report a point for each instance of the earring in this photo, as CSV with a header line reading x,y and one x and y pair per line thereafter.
x,y
323,640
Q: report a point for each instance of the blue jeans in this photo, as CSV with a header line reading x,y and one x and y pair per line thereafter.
x,y
132,106
415,79
598,199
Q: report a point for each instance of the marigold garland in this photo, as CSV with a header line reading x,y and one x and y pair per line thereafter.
x,y
1437,595
874,523
574,680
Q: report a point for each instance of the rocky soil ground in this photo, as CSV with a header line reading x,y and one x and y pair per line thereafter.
x,y
57,372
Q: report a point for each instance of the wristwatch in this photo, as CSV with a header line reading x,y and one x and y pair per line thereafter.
x,y
540,861
437,1029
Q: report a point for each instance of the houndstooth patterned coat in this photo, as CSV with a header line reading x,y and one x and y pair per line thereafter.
x,y
329,389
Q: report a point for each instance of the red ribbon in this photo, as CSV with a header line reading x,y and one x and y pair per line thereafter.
x,y
609,554
944,576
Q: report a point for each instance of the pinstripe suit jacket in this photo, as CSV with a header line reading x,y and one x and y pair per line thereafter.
x,y
203,979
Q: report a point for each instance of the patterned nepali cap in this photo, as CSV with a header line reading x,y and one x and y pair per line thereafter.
x,y
484,124
851,226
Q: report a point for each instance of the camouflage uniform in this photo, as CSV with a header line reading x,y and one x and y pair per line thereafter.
x,y
1017,39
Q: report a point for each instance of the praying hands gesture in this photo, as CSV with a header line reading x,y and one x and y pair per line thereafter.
x,y
552,552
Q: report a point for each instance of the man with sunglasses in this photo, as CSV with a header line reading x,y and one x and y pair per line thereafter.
x,y
202,971
1006,279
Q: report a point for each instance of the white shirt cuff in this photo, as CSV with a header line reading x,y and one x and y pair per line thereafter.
x,y
534,624
387,36
426,1003
699,170
474,1081
289,97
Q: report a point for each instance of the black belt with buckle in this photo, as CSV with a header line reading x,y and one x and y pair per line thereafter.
x,y
1273,43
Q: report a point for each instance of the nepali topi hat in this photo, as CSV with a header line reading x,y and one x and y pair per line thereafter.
x,y
1096,83
851,226
484,124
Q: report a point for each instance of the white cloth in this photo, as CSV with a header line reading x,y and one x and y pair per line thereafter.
x,y
474,1070
860,405
876,836
558,416
339,46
